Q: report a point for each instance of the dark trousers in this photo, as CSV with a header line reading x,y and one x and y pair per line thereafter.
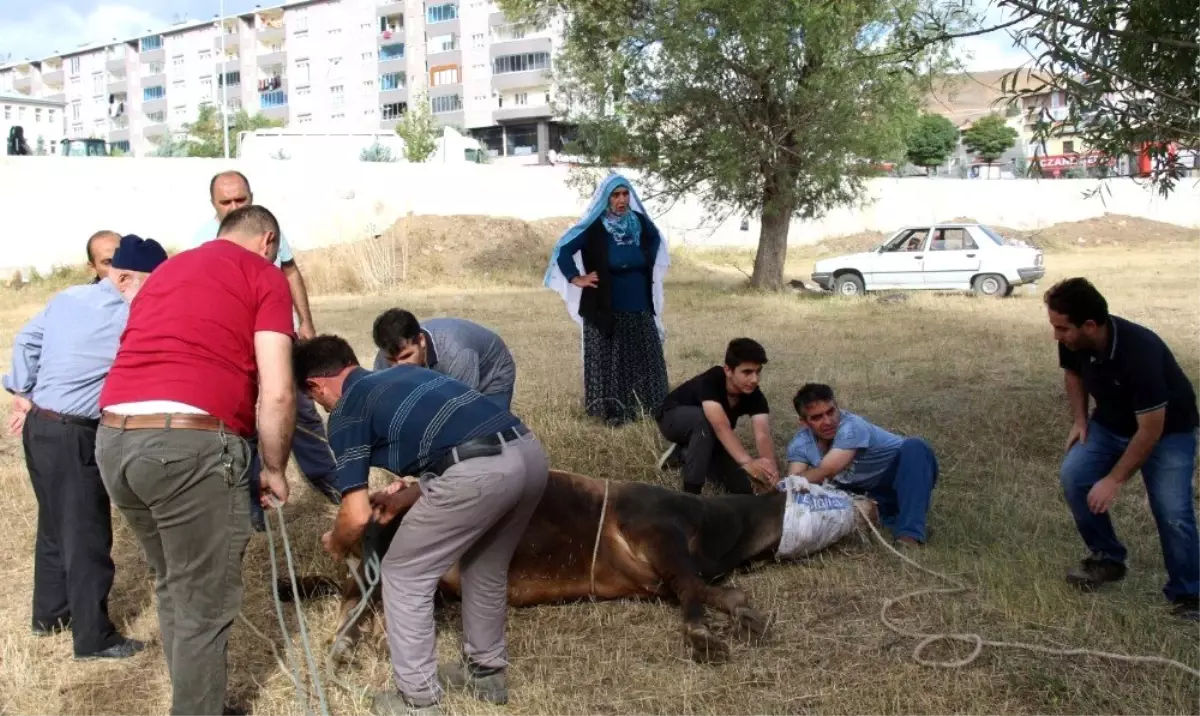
x,y
310,446
184,493
704,457
72,564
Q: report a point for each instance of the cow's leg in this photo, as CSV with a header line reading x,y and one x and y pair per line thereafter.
x,y
350,631
750,623
677,568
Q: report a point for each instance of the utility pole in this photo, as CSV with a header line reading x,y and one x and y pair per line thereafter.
x,y
222,85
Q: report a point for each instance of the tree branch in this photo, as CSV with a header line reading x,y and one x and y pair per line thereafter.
x,y
1111,32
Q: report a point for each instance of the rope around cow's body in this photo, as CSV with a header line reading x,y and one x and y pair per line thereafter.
x,y
976,640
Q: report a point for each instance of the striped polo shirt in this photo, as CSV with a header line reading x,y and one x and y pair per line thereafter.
x,y
403,419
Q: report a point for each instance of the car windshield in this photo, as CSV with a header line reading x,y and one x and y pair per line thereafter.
x,y
992,235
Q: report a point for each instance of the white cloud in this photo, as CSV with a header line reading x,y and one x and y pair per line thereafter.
x,y
51,28
995,50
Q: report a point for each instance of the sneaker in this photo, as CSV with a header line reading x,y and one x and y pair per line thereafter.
x,y
490,685
121,650
1187,608
1091,573
672,458
394,703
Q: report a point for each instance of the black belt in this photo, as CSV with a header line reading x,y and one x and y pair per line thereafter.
x,y
92,423
485,446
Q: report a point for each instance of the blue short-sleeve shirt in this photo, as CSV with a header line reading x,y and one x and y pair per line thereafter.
x,y
876,449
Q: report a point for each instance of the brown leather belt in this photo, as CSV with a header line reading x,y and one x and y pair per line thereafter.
x,y
162,421
65,419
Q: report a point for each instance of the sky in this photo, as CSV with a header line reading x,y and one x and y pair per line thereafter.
x,y
39,29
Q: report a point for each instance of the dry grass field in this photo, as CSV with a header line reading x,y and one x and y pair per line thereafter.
x,y
977,377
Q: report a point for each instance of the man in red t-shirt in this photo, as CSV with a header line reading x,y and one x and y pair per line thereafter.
x,y
209,334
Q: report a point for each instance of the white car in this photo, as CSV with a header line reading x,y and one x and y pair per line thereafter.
x,y
935,256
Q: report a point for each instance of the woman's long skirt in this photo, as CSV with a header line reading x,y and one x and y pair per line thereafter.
x,y
626,373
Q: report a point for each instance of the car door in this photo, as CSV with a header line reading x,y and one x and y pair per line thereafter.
x,y
898,263
952,259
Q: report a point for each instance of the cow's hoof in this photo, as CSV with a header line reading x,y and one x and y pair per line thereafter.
x,y
340,652
751,625
706,647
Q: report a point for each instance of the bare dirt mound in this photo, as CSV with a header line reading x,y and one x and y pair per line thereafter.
x,y
431,250
1107,230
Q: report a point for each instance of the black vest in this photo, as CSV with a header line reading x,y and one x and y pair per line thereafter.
x,y
595,303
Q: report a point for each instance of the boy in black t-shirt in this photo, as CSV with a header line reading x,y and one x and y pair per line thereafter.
x,y
700,415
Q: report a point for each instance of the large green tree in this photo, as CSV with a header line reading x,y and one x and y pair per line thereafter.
x,y
204,138
931,140
418,130
989,137
775,109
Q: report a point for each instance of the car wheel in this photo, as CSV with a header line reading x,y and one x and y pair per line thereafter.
x,y
991,284
1009,291
848,284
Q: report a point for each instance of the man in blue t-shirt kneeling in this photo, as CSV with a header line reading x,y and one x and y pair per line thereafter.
x,y
898,473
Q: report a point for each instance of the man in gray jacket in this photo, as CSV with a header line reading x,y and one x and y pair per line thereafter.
x,y
455,347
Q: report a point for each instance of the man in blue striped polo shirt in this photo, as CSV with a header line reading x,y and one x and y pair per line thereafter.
x,y
899,473
482,473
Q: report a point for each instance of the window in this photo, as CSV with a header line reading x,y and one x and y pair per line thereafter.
x,y
231,79
442,43
206,55
8,111
75,81
391,52
304,119
335,31
206,84
481,98
477,40
338,93
526,62
97,83
368,56
37,115
303,91
955,239
151,43
21,113
180,111
235,103
441,13
391,81
177,61
369,112
77,129
521,98
75,110
393,110
479,67
49,115
335,68
1068,147
368,86
302,72
178,84
444,76
910,240
445,103
156,117
391,23
153,93
299,25
337,117
155,68
74,65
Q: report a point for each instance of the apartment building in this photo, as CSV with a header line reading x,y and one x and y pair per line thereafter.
x,y
330,65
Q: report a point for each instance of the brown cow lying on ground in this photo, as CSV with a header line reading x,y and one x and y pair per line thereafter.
x,y
655,542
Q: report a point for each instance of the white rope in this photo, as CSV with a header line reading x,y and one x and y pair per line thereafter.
x,y
977,641
596,546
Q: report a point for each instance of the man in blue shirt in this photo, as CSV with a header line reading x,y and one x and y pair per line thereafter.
x,y
228,191
1145,419
482,473
898,473
465,351
60,360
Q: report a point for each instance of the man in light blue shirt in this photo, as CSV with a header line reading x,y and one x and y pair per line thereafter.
x,y
228,191
60,360
898,473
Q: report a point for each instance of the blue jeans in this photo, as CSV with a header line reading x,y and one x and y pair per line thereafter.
x,y
504,398
1168,477
903,491
313,457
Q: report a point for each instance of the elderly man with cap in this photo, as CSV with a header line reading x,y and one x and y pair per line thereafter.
x,y
227,192
60,360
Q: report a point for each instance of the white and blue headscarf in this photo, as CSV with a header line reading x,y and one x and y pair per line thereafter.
x,y
624,229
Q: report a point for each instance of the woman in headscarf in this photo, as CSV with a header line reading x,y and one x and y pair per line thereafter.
x,y
609,269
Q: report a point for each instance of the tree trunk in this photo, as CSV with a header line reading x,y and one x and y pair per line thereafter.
x,y
772,244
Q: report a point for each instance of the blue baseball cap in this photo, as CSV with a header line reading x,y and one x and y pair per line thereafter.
x,y
137,254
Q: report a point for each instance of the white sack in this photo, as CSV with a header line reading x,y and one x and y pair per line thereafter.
x,y
816,517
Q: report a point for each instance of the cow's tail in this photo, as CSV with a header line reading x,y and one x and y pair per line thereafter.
x,y
308,587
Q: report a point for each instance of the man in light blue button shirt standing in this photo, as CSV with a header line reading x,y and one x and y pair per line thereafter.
x,y
228,191
60,360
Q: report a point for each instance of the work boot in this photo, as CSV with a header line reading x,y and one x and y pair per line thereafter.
x,y
394,703
121,650
1187,608
1092,572
490,685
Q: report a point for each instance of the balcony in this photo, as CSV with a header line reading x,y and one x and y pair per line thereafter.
x,y
231,39
271,82
390,37
391,96
54,76
389,7
497,19
57,97
150,106
154,79
119,84
118,134
156,127
518,45
23,82
443,50
273,104
522,113
270,31
271,56
517,80
155,55
117,61
232,63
